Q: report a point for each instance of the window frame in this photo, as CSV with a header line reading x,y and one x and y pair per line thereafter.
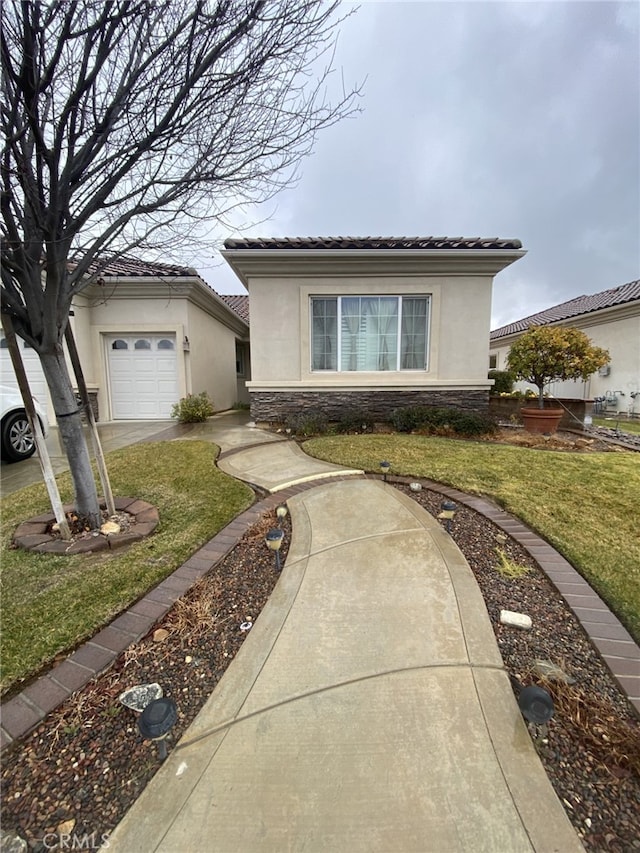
x,y
400,297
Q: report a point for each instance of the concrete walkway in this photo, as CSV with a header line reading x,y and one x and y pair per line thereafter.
x,y
367,710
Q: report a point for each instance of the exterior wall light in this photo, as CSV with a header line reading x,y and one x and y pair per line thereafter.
x,y
447,512
384,467
274,540
156,721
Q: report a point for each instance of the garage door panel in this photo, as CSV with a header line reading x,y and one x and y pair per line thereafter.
x,y
32,366
143,381
148,410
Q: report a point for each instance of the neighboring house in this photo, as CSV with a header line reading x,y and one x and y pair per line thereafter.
x,y
339,324
147,335
611,319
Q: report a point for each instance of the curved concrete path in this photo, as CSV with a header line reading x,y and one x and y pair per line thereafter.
x,y
367,710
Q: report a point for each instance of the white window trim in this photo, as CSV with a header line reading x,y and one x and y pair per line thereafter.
x,y
400,297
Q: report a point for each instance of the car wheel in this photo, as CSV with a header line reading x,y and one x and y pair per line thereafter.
x,y
17,439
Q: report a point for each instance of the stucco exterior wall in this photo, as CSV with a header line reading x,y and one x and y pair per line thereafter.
x,y
211,358
460,309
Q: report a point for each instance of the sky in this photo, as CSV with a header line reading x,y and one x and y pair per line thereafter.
x,y
491,119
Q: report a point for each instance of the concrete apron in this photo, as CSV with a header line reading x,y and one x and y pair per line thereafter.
x,y
367,710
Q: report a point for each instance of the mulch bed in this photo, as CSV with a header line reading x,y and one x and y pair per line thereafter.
x,y
81,769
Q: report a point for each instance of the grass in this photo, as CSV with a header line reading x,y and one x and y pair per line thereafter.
x,y
624,424
508,568
585,505
50,603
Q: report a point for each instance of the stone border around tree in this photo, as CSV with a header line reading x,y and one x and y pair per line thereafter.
x,y
32,534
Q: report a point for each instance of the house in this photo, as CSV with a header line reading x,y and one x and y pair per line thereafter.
x,y
611,319
368,323
147,335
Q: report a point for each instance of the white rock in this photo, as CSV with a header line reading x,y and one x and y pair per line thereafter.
x,y
516,620
138,697
110,527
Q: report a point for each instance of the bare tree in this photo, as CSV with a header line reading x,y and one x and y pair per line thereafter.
x,y
128,122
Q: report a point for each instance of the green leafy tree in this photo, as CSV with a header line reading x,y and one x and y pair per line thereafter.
x,y
547,354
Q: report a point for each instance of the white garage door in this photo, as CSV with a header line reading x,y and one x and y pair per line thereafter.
x,y
32,366
142,376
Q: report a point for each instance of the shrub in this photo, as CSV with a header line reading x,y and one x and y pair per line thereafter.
x,y
356,421
471,423
441,421
409,418
309,422
502,381
193,409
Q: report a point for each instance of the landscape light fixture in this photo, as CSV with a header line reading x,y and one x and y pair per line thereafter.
x,y
535,704
274,540
156,721
281,513
384,467
447,512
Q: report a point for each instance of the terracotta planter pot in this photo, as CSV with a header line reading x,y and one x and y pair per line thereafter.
x,y
541,420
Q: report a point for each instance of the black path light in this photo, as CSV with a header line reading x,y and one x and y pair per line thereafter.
x,y
281,513
535,703
448,512
384,467
274,540
156,721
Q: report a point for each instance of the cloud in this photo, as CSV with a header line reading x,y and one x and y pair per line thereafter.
x,y
492,119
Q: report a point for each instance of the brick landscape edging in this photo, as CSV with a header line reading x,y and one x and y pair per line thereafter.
x,y
615,644
29,708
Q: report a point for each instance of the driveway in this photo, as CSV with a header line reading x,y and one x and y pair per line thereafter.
x,y
16,475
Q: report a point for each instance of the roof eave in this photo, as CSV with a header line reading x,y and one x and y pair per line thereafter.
x,y
289,262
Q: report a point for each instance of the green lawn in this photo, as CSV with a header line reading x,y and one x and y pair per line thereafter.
x,y
585,505
51,603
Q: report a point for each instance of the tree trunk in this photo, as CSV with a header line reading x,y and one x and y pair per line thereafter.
x,y
69,420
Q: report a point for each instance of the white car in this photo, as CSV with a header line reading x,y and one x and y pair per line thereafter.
x,y
17,440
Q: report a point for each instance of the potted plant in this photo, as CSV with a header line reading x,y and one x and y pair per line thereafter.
x,y
547,354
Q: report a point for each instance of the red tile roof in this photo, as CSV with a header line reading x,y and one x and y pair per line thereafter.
x,y
372,243
238,303
585,304
132,267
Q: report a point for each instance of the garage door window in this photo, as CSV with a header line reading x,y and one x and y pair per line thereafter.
x,y
119,345
165,344
142,343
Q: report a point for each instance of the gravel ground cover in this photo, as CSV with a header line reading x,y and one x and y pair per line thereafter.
x,y
80,770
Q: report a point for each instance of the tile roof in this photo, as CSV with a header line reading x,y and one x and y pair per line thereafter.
x,y
372,243
132,267
585,304
238,303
